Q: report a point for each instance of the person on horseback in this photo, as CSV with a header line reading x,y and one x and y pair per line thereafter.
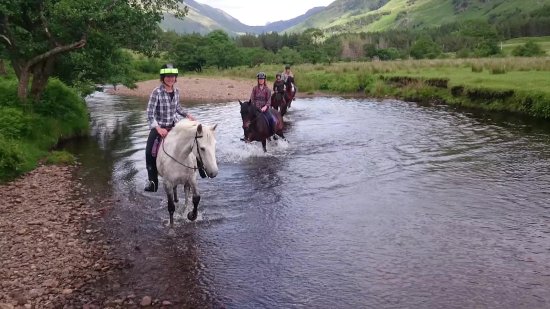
x,y
288,78
279,84
261,98
287,72
163,111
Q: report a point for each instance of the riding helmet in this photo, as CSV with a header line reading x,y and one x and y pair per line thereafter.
x,y
287,66
168,70
260,75
278,75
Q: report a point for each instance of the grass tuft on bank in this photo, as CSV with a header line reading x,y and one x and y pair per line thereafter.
x,y
29,130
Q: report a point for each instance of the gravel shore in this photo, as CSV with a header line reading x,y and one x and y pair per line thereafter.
x,y
197,89
50,249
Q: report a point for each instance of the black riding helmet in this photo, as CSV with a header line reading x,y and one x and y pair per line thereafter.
x,y
168,70
278,75
260,75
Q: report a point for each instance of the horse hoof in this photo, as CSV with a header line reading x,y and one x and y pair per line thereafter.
x,y
192,216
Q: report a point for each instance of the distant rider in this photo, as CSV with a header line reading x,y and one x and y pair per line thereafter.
x,y
163,111
279,85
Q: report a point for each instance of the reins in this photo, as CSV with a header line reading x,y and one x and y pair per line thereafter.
x,y
200,164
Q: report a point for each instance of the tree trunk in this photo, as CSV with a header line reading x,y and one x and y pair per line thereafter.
x,y
22,90
41,73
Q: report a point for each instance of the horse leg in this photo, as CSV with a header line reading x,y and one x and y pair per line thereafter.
x,y
176,194
171,206
192,215
263,145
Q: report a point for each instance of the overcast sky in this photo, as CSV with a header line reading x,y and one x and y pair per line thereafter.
x,y
260,12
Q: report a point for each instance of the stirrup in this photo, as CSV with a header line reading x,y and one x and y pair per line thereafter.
x,y
151,187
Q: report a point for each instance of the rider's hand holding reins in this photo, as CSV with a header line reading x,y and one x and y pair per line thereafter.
x,y
162,132
264,108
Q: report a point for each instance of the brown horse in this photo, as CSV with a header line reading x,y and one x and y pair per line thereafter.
x,y
290,90
278,100
256,124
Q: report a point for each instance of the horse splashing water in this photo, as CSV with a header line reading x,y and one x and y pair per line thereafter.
x,y
189,148
290,90
278,100
256,124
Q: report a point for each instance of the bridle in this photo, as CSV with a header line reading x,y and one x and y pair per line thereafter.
x,y
200,162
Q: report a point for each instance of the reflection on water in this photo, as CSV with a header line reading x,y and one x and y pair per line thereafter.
x,y
368,204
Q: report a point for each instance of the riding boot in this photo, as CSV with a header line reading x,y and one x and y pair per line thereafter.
x,y
151,163
153,183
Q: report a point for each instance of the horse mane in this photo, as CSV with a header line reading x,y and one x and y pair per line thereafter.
x,y
190,126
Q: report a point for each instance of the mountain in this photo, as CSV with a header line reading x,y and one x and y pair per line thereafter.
x,y
379,15
203,18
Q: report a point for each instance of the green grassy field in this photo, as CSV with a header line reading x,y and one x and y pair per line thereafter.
x,y
514,84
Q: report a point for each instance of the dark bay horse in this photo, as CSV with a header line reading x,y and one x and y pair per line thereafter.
x,y
290,90
256,125
278,100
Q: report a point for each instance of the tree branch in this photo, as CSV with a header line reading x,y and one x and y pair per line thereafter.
x,y
57,50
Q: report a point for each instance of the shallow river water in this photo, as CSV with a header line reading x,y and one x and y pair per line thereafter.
x,y
366,205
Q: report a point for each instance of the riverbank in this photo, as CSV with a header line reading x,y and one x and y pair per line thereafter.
x,y
51,249
202,89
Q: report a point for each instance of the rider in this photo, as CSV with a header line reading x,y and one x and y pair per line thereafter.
x,y
286,74
261,98
279,84
163,111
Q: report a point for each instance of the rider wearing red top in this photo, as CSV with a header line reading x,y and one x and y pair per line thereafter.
x,y
261,94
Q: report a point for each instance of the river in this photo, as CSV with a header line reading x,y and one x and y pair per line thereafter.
x,y
367,204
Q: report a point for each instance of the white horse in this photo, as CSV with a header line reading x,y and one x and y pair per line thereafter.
x,y
189,148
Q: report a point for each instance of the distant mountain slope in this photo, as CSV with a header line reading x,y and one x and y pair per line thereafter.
x,y
204,18
378,15
280,26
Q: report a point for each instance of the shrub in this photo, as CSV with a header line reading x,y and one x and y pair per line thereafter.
x,y
529,49
8,89
64,104
13,122
11,158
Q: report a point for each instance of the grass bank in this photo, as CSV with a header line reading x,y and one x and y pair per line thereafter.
x,y
518,85
29,131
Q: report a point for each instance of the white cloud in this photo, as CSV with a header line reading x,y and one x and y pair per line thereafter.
x,y
260,12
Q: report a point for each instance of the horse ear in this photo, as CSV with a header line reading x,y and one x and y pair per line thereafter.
x,y
214,127
199,129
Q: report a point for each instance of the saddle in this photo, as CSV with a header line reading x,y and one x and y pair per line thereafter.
x,y
157,143
271,121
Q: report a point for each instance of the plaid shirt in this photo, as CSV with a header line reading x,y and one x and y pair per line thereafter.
x,y
163,111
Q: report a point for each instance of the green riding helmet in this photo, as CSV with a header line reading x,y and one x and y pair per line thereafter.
x,y
168,70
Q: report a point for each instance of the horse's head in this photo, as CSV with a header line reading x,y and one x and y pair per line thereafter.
x,y
206,150
289,80
248,111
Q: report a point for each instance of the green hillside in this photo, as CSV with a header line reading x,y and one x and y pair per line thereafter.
x,y
373,15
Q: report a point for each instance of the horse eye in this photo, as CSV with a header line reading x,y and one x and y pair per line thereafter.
x,y
203,148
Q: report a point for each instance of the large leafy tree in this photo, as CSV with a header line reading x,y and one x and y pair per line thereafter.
x,y
38,33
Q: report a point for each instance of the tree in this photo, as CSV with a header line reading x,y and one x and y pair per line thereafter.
x,y
221,51
37,34
425,47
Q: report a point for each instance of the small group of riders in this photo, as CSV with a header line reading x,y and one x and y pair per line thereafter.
x,y
164,110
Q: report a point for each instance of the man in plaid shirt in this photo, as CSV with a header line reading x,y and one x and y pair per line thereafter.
x,y
163,111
